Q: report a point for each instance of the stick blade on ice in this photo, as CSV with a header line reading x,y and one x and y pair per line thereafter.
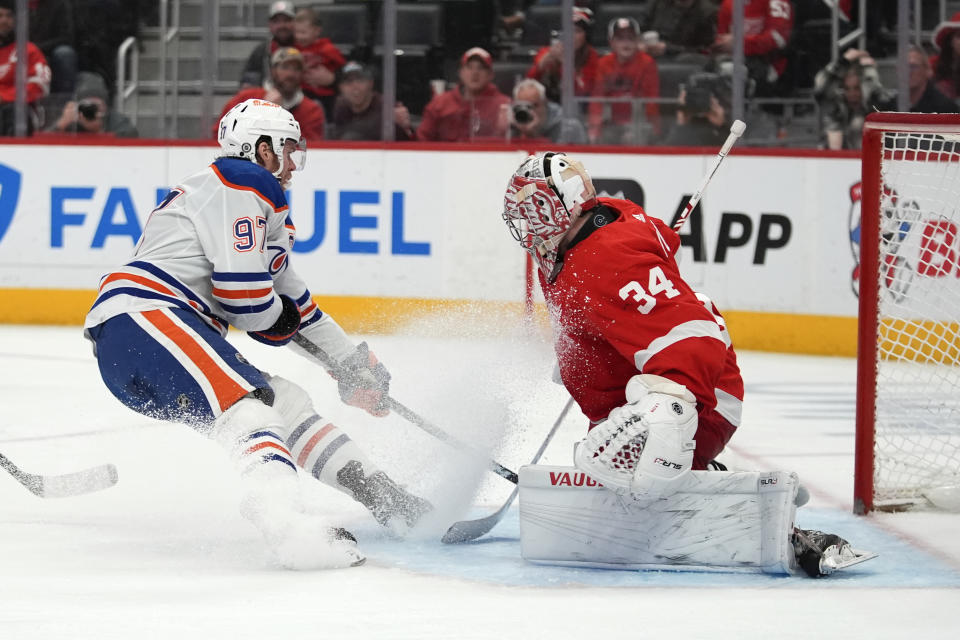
x,y
78,482
467,530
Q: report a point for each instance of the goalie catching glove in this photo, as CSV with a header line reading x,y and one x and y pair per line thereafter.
x,y
363,381
646,446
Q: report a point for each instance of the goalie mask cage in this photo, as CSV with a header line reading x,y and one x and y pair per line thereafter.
x,y
908,353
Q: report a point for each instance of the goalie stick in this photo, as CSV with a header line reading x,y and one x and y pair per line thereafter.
x,y
467,530
736,130
65,485
411,416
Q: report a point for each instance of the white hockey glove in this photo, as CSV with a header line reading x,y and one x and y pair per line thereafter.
x,y
646,446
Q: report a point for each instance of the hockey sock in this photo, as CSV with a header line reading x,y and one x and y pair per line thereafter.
x,y
322,449
250,430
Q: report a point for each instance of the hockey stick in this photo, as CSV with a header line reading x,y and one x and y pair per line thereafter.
x,y
66,485
736,130
467,530
410,416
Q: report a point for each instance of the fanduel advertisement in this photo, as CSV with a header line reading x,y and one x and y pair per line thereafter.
x,y
772,233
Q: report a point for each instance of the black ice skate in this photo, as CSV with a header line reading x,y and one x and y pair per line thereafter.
x,y
820,554
392,506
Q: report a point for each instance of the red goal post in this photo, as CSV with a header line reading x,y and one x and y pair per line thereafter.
x,y
908,368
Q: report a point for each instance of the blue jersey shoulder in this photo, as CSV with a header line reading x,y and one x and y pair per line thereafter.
x,y
241,173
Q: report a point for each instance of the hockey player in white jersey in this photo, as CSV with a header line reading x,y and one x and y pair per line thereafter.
x,y
215,253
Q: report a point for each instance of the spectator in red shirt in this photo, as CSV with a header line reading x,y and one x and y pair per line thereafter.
x,y
547,65
38,72
473,110
625,71
257,68
321,58
283,88
766,33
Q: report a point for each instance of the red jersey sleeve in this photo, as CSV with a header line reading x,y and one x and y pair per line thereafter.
x,y
332,57
777,25
776,17
536,71
38,75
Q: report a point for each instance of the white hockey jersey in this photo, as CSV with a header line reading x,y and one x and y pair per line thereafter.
x,y
218,245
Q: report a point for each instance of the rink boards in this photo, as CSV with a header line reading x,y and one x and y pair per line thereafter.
x,y
386,236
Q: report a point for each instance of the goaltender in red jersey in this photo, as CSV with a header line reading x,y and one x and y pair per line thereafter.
x,y
651,364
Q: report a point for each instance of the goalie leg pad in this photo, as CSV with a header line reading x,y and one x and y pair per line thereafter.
x,y
718,521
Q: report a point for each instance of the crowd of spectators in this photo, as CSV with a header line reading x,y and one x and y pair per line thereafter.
x,y
662,75
71,62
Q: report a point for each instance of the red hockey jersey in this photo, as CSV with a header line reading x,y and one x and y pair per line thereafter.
x,y
767,26
620,307
38,73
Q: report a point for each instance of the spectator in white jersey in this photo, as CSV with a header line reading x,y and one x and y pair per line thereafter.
x,y
215,253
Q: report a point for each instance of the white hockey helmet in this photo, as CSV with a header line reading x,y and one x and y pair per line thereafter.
x,y
244,124
544,196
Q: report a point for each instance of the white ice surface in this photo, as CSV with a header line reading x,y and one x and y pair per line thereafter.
x,y
165,554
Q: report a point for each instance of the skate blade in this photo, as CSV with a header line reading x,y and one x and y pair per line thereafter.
x,y
830,565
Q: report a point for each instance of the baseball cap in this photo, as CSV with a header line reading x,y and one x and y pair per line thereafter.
x,y
477,52
618,25
582,16
286,8
354,69
286,54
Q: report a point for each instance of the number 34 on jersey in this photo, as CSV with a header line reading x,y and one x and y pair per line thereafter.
x,y
657,283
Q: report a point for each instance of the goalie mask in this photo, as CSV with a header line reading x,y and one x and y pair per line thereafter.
x,y
244,124
544,197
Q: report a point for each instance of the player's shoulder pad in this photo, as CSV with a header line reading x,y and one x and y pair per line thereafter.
x,y
621,205
245,175
631,212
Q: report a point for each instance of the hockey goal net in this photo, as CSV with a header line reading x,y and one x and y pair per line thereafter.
x,y
908,376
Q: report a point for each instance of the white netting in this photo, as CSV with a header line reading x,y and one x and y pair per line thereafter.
x,y
917,426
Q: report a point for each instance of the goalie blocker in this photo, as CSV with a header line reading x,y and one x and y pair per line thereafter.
x,y
718,521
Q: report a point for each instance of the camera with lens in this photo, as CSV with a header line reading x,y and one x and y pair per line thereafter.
x,y
523,112
699,87
88,109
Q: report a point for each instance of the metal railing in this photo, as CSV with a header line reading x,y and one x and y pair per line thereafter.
x,y
128,50
169,35
169,86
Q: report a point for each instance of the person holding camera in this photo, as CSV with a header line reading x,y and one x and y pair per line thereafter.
x,y
533,117
847,90
547,65
702,120
91,113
